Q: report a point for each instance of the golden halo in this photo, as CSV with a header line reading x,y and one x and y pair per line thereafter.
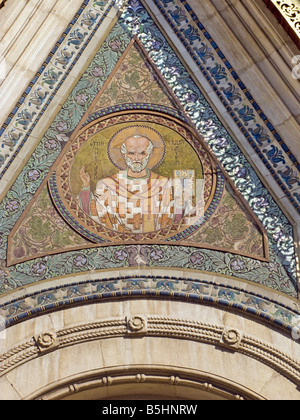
x,y
116,142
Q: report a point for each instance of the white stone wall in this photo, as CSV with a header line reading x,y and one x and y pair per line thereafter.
x,y
103,351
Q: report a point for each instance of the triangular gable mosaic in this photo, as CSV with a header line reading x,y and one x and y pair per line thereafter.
x,y
229,218
225,223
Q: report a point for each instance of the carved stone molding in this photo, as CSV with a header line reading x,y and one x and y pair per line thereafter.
x,y
154,326
232,338
137,324
46,341
158,375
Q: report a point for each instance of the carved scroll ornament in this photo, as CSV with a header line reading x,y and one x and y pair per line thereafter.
x,y
289,11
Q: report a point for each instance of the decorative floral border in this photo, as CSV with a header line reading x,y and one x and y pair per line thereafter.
x,y
50,77
194,290
137,20
234,95
67,206
279,274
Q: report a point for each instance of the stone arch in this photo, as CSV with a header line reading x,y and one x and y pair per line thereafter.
x,y
141,348
156,383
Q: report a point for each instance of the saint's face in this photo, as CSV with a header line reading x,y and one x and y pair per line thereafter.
x,y
137,156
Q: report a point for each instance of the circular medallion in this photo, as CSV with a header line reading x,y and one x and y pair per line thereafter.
x,y
165,197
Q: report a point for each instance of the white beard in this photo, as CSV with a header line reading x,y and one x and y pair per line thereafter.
x,y
137,167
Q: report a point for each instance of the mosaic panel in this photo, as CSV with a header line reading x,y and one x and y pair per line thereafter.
x,y
234,95
201,114
278,273
42,231
194,290
105,138
50,77
94,155
242,107
133,81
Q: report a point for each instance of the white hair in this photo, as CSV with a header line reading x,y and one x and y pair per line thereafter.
x,y
137,167
149,149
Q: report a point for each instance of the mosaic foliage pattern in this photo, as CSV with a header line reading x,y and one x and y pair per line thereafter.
x,y
42,232
134,82
222,145
230,229
241,106
158,286
279,274
50,77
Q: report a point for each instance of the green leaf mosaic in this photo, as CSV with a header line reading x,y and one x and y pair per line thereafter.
x,y
278,274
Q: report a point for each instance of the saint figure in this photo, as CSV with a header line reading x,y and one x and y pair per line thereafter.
x,y
134,200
